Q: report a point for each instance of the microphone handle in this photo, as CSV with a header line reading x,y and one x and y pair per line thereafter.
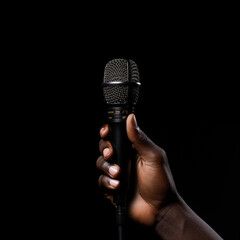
x,y
121,146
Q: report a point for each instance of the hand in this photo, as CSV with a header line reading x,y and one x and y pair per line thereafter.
x,y
155,187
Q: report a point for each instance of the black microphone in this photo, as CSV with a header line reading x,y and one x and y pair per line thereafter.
x,y
121,88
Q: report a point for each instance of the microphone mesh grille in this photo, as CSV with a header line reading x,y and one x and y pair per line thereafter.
x,y
116,70
134,71
118,73
134,89
116,94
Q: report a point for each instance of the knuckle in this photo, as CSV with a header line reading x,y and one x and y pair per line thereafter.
x,y
100,145
100,180
99,162
160,155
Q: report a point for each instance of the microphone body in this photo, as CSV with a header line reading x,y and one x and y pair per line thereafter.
x,y
121,87
122,147
118,137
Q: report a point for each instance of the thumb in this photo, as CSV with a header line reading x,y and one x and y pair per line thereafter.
x,y
139,139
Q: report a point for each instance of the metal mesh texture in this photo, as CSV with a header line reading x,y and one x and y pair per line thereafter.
x,y
120,82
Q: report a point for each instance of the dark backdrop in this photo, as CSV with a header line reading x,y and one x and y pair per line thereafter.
x,y
188,105
183,107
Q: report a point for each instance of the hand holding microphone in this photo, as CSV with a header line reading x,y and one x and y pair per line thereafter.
x,y
154,182
121,88
155,200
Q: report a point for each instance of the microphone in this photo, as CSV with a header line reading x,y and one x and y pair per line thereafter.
x,y
121,88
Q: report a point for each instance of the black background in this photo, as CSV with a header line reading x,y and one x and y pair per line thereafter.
x,y
183,107
188,105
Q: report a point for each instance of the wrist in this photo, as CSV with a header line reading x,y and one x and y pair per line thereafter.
x,y
175,202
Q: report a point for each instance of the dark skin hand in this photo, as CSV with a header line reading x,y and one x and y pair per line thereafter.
x,y
155,187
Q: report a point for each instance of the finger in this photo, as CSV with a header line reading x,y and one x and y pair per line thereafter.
x,y
104,131
107,182
141,142
111,170
106,149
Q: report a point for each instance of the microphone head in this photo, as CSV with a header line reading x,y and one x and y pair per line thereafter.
x,y
121,82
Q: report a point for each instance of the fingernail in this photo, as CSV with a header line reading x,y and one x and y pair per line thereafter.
x,y
113,170
106,152
135,123
114,183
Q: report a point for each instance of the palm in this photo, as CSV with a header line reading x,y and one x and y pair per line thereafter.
x,y
153,187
